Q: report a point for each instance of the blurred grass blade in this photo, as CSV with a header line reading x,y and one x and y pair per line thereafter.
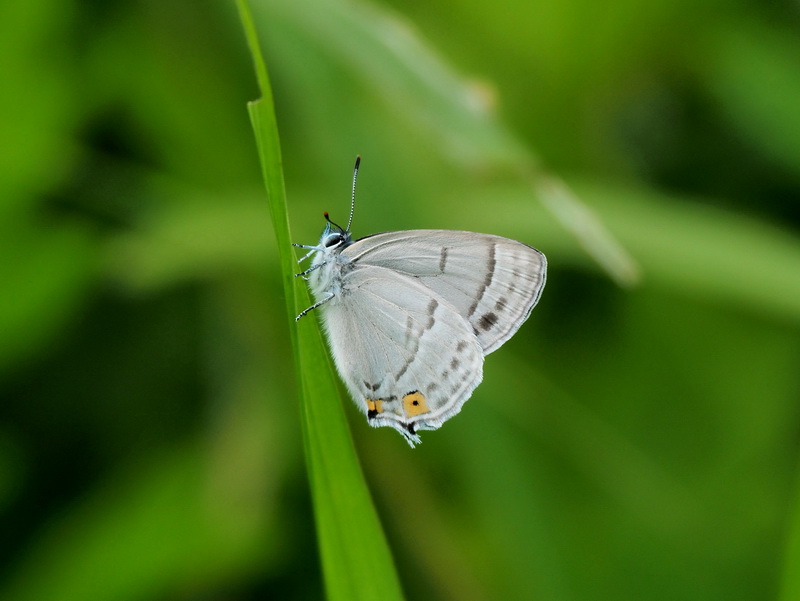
x,y
707,253
424,90
356,560
588,230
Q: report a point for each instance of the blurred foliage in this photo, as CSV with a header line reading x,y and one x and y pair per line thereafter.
x,y
626,444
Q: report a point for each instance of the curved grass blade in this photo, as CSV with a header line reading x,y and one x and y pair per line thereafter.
x,y
356,560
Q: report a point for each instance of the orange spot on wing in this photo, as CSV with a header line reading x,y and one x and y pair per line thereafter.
x,y
414,404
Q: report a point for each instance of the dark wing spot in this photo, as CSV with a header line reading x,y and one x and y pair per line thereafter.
x,y
487,321
461,346
371,413
492,264
404,369
431,387
443,259
372,387
500,304
409,328
431,310
454,364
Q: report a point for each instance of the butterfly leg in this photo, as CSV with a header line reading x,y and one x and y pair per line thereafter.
x,y
311,251
309,270
314,306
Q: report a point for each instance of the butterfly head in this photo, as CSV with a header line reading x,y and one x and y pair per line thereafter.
x,y
334,236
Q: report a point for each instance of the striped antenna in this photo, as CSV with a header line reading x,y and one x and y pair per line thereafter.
x,y
353,199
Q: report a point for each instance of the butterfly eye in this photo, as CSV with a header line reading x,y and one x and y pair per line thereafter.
x,y
332,240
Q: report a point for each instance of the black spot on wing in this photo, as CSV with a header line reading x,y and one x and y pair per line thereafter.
x,y
487,321
443,259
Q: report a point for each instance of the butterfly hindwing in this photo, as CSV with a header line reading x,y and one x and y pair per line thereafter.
x,y
407,355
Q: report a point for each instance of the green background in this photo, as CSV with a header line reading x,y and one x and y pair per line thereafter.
x,y
637,439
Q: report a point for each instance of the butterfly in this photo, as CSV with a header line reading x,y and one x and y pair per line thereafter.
x,y
410,315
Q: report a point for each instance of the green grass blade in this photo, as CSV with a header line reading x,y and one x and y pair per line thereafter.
x,y
356,560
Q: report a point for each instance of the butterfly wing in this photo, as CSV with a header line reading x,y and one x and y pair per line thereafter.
x,y
492,282
408,357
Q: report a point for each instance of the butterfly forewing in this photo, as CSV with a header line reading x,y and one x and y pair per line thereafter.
x,y
492,282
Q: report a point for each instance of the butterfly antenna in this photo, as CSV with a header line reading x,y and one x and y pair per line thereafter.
x,y
353,199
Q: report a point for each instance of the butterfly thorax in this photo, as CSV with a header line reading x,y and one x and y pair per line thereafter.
x,y
327,278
